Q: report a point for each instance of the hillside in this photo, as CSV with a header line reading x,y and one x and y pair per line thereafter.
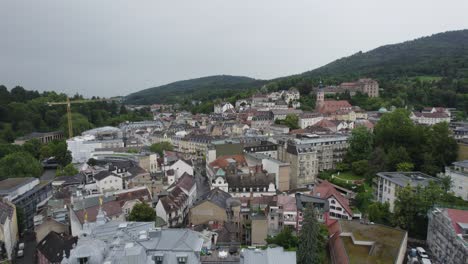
x,y
205,88
443,54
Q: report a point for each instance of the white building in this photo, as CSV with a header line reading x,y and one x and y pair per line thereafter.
x,y
431,116
175,170
223,108
107,181
387,184
459,175
309,119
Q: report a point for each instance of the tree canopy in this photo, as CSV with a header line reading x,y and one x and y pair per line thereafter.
x,y
311,248
160,147
142,212
19,164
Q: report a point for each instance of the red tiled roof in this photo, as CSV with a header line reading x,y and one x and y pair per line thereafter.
x,y
139,194
222,162
185,182
325,190
331,106
111,209
458,216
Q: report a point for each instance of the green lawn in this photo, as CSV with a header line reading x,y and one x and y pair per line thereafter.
x,y
347,175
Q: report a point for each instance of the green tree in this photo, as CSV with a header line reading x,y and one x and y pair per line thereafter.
x,y
160,147
33,146
360,167
405,166
292,121
361,144
311,248
363,201
142,212
60,152
80,123
92,162
7,134
285,239
68,170
379,213
19,164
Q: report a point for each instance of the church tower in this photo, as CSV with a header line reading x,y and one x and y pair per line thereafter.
x,y
320,96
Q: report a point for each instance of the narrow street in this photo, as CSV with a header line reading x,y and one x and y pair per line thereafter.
x,y
203,186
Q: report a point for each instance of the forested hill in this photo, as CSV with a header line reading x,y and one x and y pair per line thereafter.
x,y
443,54
205,88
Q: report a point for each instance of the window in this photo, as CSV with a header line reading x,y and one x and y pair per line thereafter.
x,y
181,260
158,259
83,260
333,201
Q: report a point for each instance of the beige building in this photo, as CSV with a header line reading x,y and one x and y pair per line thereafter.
x,y
214,206
259,229
311,154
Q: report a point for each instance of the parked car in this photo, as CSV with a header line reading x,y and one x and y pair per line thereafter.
x,y
21,246
20,253
425,261
422,253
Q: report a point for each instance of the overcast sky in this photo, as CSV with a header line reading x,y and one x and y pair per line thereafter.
x,y
114,47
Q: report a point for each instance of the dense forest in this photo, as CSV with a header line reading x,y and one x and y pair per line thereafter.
x,y
23,112
204,89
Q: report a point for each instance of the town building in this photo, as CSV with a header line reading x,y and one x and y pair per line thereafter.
x,y
359,242
223,108
339,207
54,247
309,154
309,119
387,184
8,229
82,147
447,235
266,148
214,206
27,194
43,137
364,86
282,213
458,173
431,116
136,242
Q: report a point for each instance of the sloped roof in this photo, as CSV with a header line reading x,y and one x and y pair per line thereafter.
x,y
331,106
216,196
132,194
102,175
111,209
325,190
458,216
186,182
223,161
54,245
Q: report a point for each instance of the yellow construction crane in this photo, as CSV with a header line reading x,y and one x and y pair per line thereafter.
x,y
69,116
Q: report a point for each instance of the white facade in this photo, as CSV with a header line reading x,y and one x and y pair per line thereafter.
x,y
309,120
180,167
109,183
221,183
